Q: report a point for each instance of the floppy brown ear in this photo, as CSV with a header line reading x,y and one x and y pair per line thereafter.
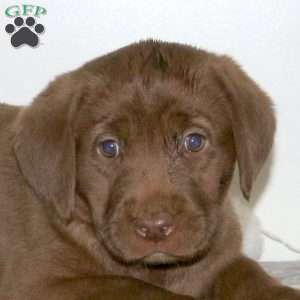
x,y
253,120
45,147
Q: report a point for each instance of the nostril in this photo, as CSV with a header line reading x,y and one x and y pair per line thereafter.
x,y
142,231
167,229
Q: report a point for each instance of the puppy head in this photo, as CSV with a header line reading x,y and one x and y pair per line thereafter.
x,y
147,137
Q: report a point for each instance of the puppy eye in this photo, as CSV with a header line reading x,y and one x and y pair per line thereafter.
x,y
194,142
109,148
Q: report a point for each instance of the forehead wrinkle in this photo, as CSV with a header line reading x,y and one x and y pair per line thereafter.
x,y
148,115
136,109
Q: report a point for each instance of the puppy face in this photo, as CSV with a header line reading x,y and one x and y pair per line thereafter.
x,y
154,169
147,139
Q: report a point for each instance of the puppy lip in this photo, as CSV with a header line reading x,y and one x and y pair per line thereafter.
x,y
160,257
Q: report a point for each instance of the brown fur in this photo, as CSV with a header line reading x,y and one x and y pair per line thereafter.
x,y
68,214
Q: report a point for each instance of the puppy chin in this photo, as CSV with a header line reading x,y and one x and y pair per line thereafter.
x,y
160,258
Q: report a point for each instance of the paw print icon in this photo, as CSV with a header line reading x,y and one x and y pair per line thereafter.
x,y
24,32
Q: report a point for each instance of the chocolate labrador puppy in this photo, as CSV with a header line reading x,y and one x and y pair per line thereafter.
x,y
113,182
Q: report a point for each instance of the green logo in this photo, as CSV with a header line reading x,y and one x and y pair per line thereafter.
x,y
25,10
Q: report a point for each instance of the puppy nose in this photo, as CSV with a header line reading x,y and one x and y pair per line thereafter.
x,y
156,228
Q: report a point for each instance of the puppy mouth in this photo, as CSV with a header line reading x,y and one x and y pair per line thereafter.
x,y
156,258
168,260
160,258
